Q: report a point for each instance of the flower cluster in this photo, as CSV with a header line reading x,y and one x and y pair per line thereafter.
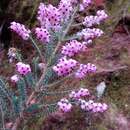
x,y
14,78
89,105
52,17
49,16
85,69
22,68
65,66
87,42
20,30
89,33
64,105
42,34
73,47
102,15
42,15
93,106
65,9
82,92
93,20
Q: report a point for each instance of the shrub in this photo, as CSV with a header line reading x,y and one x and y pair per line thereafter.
x,y
54,62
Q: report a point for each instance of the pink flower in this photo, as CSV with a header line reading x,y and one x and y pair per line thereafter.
x,y
64,105
86,3
20,30
48,16
93,106
73,47
84,70
102,15
65,9
93,20
53,15
89,33
22,68
83,92
42,13
42,34
15,78
65,66
80,93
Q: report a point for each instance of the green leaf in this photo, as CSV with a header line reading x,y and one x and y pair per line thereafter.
x,y
17,104
33,108
30,80
3,89
22,90
49,77
49,109
35,68
49,48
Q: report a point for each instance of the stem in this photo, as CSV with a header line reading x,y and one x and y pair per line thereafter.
x,y
37,48
47,105
112,69
55,83
76,25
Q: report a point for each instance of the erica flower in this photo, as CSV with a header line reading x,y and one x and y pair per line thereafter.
x,y
93,106
80,93
65,9
65,66
86,3
84,70
22,68
64,105
93,20
101,15
20,30
42,13
15,78
73,47
99,107
48,16
53,15
89,33
42,34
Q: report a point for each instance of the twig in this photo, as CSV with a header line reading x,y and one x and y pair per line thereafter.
x,y
77,25
55,83
111,70
37,48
